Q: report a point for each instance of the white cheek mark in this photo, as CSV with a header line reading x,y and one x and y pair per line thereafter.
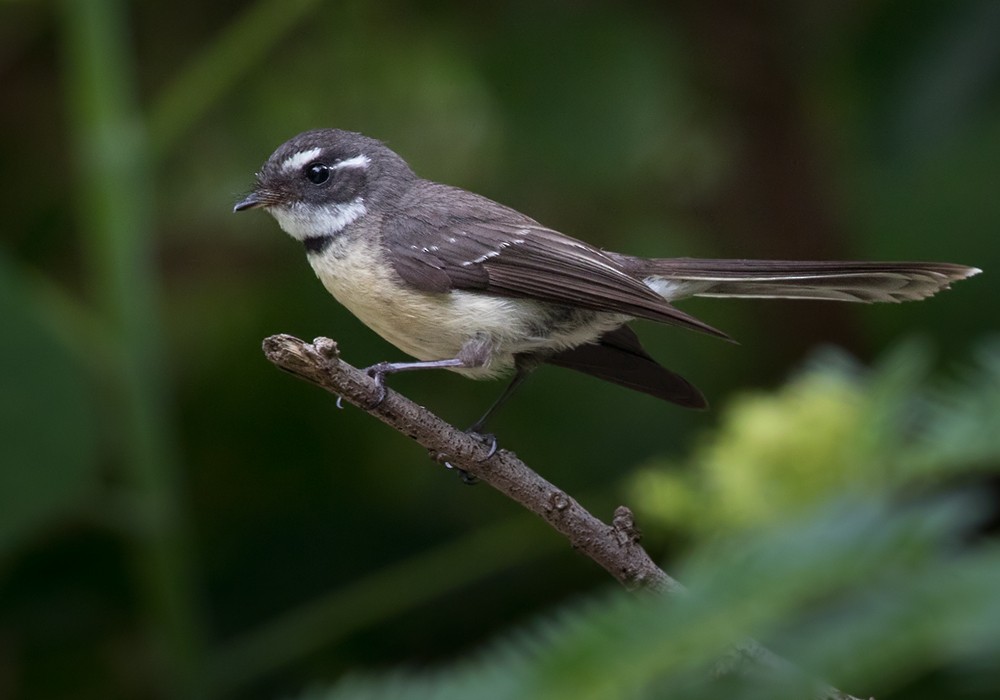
x,y
296,161
361,161
301,220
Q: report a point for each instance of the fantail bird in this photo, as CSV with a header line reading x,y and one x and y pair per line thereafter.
x,y
461,282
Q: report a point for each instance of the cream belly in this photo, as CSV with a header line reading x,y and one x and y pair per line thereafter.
x,y
428,326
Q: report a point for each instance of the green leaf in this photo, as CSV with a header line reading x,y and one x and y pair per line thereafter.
x,y
48,432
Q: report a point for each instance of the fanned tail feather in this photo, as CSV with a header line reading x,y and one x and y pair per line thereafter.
x,y
677,278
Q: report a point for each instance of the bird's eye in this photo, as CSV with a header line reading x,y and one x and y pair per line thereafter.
x,y
318,173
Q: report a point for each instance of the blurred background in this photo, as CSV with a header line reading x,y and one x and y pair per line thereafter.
x,y
178,519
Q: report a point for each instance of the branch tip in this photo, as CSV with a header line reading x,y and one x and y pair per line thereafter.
x,y
327,348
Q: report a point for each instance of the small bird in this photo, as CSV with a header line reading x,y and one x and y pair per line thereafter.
x,y
463,283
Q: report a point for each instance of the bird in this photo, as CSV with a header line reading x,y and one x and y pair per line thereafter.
x,y
463,283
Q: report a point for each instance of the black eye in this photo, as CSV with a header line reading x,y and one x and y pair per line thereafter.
x,y
318,173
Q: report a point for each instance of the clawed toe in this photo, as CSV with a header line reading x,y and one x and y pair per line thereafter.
x,y
377,372
487,439
467,478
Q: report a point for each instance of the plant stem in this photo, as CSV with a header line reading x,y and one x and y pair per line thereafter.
x,y
114,190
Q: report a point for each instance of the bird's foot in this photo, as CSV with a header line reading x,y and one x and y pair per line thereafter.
x,y
488,439
467,478
378,372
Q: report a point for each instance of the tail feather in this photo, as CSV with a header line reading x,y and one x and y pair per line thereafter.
x,y
677,278
618,357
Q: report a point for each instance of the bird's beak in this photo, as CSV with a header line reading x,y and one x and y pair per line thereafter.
x,y
260,197
251,201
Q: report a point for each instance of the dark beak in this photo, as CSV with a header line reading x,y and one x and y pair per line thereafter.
x,y
251,201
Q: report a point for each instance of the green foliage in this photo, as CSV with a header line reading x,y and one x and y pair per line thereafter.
x,y
772,454
875,585
179,520
52,464
834,427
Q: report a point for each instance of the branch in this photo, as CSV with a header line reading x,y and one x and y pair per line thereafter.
x,y
614,547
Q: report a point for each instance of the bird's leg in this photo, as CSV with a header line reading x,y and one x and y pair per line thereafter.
x,y
524,365
523,370
478,426
379,370
476,352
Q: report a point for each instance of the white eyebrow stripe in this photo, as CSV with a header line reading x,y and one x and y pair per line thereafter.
x,y
361,161
296,161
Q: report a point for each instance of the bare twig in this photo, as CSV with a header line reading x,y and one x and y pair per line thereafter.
x,y
615,547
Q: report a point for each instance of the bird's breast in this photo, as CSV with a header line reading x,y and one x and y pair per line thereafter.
x,y
426,325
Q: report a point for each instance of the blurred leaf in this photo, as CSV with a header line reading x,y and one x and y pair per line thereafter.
x,y
962,426
47,421
858,588
772,455
833,427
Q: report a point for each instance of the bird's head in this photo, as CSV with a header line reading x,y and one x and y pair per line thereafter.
x,y
319,182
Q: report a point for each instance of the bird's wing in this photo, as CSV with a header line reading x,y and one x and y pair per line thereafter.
x,y
444,239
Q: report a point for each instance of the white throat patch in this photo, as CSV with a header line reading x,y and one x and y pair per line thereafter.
x,y
301,220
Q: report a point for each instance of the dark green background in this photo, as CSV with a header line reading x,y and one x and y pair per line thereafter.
x,y
179,519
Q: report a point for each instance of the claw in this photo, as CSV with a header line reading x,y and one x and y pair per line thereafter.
x,y
467,478
377,372
340,402
485,438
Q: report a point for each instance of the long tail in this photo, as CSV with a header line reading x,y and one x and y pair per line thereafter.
x,y
677,278
619,357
